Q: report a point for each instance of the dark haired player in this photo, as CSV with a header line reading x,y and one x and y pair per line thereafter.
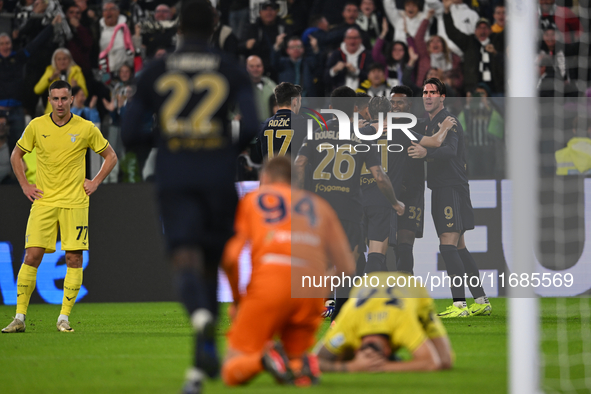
x,y
378,215
335,166
286,129
190,91
362,103
410,225
451,207
60,197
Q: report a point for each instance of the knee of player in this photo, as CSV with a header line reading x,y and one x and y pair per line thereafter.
x,y
33,256
74,259
231,375
188,258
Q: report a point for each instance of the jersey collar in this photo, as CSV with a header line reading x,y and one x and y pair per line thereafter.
x,y
51,117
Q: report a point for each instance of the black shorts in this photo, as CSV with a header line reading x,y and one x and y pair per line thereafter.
x,y
354,232
393,239
376,222
413,218
195,218
451,209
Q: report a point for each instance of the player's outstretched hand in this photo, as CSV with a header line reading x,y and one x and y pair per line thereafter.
x,y
416,151
367,360
448,123
32,192
399,208
90,186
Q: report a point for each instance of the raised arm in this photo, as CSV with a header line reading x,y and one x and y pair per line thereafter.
x,y
460,39
420,44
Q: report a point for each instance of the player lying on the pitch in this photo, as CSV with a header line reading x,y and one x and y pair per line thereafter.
x,y
375,322
291,232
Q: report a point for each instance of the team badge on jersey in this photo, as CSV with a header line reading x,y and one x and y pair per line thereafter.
x,y
337,340
73,137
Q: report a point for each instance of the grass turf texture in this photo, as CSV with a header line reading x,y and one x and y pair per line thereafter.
x,y
146,347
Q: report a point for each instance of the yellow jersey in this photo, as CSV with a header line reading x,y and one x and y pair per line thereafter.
x,y
406,315
61,158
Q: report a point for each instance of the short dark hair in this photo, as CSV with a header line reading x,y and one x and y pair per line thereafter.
x,y
294,38
60,85
438,84
315,19
350,2
285,91
341,99
75,90
197,18
362,100
402,89
418,3
375,66
278,168
379,104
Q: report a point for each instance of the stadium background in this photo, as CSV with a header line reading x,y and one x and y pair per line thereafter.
x,y
125,225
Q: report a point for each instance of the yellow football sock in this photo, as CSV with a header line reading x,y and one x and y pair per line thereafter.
x,y
72,284
25,285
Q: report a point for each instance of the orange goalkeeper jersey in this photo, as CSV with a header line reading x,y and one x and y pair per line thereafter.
x,y
287,227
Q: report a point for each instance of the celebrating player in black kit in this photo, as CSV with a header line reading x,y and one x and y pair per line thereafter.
x,y
286,129
190,91
410,225
378,215
451,207
336,168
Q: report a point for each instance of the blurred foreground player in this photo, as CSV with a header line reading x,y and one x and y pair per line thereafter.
x,y
377,321
60,197
292,233
191,91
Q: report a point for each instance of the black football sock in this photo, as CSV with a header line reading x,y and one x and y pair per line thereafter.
x,y
405,262
472,271
360,267
454,266
376,262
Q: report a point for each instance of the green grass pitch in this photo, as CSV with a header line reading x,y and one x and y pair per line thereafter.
x,y
146,347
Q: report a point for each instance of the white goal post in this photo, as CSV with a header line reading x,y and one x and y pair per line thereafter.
x,y
523,157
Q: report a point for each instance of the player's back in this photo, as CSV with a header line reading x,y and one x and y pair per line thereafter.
x,y
336,166
401,309
375,310
291,227
191,92
282,134
394,159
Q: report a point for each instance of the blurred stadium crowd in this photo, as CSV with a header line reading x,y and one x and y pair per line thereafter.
x,y
368,45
